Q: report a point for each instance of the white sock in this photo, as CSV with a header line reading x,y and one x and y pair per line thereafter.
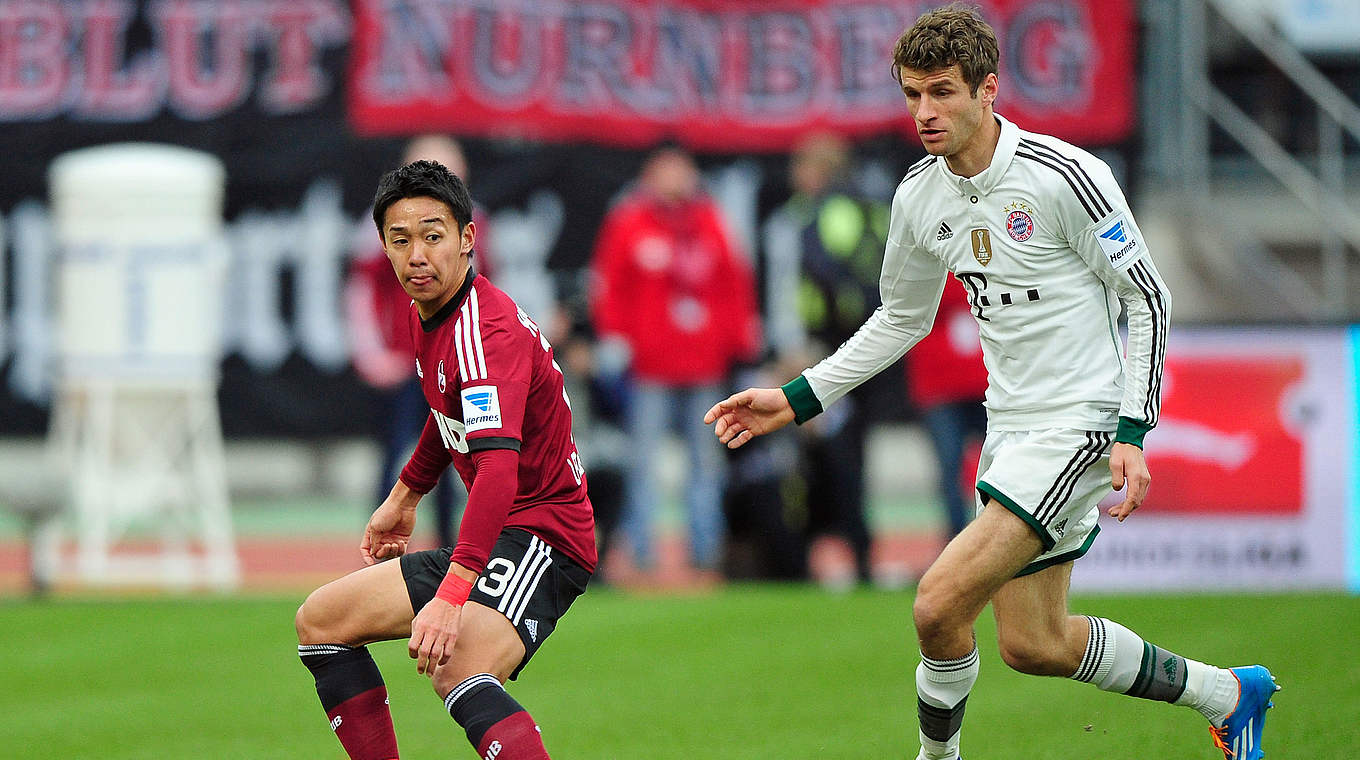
x,y
1216,692
1114,662
942,688
1113,656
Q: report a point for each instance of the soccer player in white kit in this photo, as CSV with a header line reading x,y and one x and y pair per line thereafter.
x,y
1041,237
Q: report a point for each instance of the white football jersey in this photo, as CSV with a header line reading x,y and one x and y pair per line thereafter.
x,y
1045,245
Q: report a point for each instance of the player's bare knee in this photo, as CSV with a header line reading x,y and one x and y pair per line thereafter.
x,y
447,677
932,614
310,621
444,680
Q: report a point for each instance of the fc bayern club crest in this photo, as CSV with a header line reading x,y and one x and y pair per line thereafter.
x,y
1019,225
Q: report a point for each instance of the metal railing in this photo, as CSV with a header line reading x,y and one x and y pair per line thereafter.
x,y
1320,187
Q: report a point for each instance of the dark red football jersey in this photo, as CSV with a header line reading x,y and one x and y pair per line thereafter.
x,y
491,382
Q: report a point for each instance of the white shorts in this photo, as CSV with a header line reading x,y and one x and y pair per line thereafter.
x,y
1054,481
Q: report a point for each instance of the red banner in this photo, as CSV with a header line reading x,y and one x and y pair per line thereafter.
x,y
716,75
1230,438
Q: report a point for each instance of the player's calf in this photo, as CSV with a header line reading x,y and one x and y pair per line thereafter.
x,y
495,723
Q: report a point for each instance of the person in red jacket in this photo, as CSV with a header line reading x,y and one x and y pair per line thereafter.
x,y
946,382
674,306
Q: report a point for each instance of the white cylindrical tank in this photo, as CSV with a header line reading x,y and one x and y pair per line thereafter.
x,y
141,261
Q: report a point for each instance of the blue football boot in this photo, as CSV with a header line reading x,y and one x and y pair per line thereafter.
x,y
1240,736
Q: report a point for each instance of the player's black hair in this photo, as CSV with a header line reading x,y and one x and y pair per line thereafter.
x,y
428,179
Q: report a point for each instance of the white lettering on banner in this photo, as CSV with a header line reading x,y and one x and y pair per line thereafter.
x,y
72,57
263,248
32,327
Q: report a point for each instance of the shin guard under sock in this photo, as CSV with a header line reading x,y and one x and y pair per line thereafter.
x,y
1120,661
355,699
942,688
495,723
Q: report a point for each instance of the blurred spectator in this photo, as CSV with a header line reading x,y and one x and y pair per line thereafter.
x,y
764,501
824,251
946,383
674,308
378,311
596,415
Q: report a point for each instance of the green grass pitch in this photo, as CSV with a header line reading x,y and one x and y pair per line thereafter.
x,y
746,672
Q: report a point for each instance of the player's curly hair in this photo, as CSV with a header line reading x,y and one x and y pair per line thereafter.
x,y
945,36
428,179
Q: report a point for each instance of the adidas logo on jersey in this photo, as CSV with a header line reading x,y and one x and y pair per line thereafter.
x,y
532,625
945,233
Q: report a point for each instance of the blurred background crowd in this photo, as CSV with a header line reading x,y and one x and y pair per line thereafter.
x,y
690,198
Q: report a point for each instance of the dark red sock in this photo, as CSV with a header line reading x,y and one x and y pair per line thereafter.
x,y
514,738
363,724
495,723
353,695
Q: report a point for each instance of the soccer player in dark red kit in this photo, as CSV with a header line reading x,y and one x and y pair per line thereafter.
x,y
475,612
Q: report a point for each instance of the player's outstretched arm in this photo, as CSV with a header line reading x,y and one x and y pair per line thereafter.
x,y
1127,466
745,415
389,529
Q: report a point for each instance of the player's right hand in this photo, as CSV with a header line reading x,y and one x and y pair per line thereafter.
x,y
745,415
434,631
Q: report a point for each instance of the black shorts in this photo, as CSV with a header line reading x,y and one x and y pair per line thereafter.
x,y
526,580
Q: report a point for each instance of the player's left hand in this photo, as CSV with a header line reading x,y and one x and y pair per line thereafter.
x,y
1128,467
433,634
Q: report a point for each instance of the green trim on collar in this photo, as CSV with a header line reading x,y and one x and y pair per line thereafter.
x,y
1131,431
802,399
